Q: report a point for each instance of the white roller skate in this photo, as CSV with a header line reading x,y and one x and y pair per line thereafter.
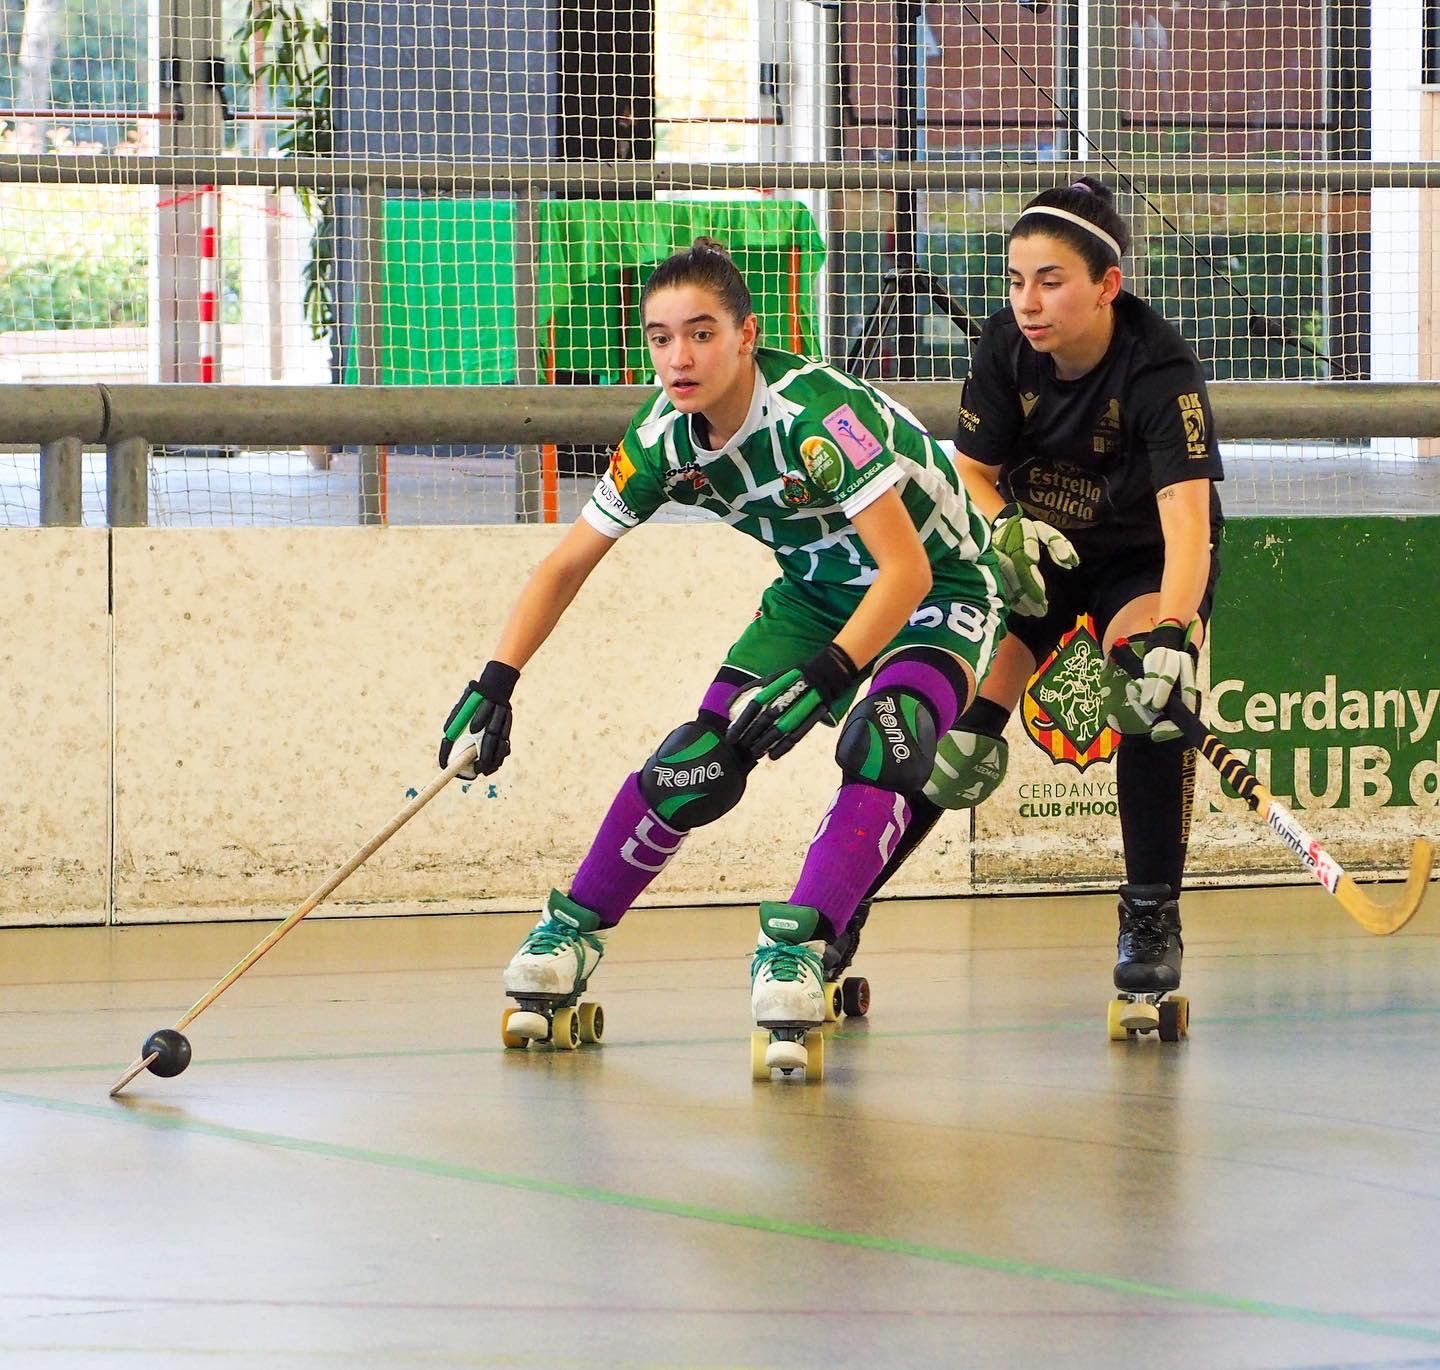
x,y
787,993
549,973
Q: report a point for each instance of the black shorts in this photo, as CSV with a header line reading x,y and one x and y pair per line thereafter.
x,y
1101,589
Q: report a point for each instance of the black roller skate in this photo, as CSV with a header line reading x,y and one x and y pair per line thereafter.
x,y
1148,969
851,995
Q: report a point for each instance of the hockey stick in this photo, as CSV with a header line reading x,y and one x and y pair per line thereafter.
x,y
1381,919
324,891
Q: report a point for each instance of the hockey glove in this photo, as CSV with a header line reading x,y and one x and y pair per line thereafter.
x,y
789,704
1170,660
481,716
1019,543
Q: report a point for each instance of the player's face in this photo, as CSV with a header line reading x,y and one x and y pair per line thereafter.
x,y
1058,307
704,359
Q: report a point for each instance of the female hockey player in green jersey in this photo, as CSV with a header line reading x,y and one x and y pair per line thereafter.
x,y
885,571
1085,434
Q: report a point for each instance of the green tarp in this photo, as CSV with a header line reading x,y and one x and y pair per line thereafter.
x,y
449,316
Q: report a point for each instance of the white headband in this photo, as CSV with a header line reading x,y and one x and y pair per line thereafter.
x,y
1076,219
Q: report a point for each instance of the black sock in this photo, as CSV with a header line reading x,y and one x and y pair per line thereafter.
x,y
985,716
1156,783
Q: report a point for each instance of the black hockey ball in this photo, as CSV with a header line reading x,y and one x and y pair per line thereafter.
x,y
171,1050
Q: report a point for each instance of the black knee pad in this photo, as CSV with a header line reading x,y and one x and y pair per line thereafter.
x,y
695,776
888,741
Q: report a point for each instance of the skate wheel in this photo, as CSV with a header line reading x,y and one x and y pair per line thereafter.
x,y
1138,1017
855,996
512,1039
525,1024
814,1057
832,1001
591,1022
783,1054
1174,1019
759,1045
1116,1027
565,1029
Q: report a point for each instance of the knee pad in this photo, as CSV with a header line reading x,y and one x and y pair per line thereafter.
x,y
888,741
695,776
968,769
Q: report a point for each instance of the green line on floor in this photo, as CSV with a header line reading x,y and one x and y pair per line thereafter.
x,y
863,1241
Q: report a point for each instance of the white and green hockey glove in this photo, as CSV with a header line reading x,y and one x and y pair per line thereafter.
x,y
1020,541
1170,660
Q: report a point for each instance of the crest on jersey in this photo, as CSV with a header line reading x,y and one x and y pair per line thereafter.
x,y
823,461
1064,704
685,484
1109,431
793,490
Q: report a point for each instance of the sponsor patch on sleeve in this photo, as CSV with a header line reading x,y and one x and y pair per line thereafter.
x,y
1192,416
608,498
621,468
856,441
823,463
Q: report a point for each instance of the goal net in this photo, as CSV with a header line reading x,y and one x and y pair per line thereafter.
x,y
516,169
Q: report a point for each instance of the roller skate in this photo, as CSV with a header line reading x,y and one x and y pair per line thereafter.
x,y
1148,970
850,996
549,973
787,993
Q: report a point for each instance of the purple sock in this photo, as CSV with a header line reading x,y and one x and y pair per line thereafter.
x,y
864,824
630,850
851,848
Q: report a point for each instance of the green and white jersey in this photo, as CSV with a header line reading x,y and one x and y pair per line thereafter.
x,y
817,448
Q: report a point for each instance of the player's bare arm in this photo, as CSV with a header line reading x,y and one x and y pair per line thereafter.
x,y
903,578
551,588
982,484
1185,523
483,712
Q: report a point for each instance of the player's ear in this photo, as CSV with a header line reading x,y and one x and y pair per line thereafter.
x,y
749,333
1110,284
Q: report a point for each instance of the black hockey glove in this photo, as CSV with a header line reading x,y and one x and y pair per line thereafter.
x,y
481,716
787,705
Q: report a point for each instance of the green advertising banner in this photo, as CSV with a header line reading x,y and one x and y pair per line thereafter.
x,y
1324,664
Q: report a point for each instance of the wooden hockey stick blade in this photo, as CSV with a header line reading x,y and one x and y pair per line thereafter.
x,y
332,882
132,1070
1384,919
1373,916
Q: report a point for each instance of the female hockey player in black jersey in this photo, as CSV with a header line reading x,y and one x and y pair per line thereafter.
x,y
1085,435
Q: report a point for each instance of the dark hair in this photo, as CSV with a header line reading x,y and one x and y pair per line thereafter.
x,y
1090,200
707,264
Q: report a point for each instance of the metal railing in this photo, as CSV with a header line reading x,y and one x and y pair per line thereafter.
x,y
128,421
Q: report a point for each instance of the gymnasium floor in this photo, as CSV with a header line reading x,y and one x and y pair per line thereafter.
x,y
354,1172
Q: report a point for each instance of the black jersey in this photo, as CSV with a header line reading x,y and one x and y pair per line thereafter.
x,y
1088,455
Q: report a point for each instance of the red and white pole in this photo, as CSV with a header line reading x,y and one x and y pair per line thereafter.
x,y
209,285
